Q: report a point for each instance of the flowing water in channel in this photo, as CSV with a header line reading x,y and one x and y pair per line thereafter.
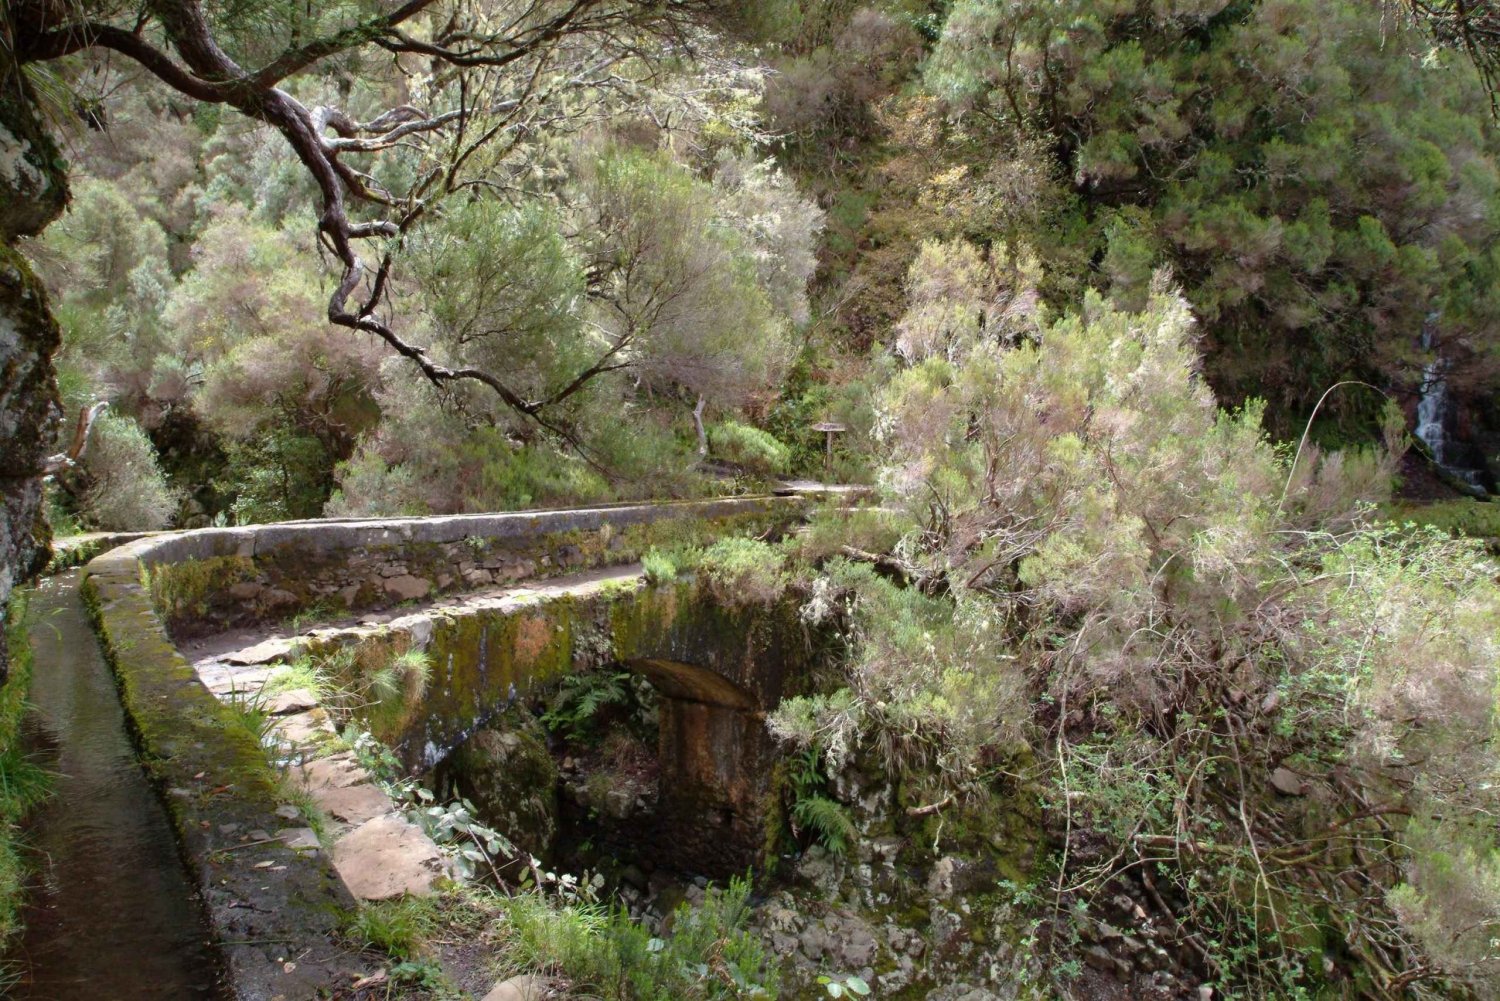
x,y
113,914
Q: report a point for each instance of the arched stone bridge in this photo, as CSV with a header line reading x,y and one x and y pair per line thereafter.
x,y
718,666
508,603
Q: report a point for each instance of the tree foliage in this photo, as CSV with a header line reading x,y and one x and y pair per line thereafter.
x,y
1319,181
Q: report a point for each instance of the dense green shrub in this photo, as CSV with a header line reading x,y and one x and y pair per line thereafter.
x,y
743,571
124,489
1301,166
750,448
1193,608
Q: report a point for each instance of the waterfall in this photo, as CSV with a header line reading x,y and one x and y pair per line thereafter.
x,y
1435,414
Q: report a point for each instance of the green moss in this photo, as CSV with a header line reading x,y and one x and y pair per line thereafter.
x,y
1465,516
22,784
182,590
76,555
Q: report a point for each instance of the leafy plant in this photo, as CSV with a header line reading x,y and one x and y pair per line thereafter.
x,y
841,986
812,811
250,714
827,820
586,701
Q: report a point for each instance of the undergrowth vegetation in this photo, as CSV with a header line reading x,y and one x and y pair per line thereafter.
x,y
1169,608
601,952
23,784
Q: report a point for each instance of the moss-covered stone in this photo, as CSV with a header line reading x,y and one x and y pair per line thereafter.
x,y
506,771
33,192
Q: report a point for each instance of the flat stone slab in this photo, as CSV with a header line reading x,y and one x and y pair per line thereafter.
x,y
224,680
522,988
332,772
264,652
388,857
305,728
353,804
286,703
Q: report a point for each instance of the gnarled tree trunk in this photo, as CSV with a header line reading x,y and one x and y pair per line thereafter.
x,y
33,192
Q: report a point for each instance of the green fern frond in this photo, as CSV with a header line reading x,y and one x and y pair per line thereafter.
x,y
828,821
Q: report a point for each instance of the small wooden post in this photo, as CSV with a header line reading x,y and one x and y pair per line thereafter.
x,y
829,428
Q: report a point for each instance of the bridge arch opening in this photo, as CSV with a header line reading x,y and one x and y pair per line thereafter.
x,y
710,766
640,769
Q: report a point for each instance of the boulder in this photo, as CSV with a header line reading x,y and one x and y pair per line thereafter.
x,y
506,771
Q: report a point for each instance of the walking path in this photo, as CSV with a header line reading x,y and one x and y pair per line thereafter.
x,y
377,852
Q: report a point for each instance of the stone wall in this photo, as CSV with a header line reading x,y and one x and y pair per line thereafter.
x,y
208,580
717,670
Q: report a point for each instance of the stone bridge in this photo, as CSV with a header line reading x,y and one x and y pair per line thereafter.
x,y
502,605
717,666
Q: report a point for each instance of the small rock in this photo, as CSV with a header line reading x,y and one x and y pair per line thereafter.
x,y
940,879
1103,960
287,811
524,988
277,598
814,942
406,587
285,703
632,875
1287,782
858,949
245,590
618,804
299,838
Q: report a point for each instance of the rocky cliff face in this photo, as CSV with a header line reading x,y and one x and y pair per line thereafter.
x,y
33,192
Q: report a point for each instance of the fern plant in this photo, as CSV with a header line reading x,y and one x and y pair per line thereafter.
x,y
827,821
582,701
813,812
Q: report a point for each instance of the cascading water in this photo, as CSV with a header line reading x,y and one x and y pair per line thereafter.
x,y
1435,413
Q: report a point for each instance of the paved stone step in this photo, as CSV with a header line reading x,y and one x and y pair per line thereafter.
x,y
386,857
352,804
